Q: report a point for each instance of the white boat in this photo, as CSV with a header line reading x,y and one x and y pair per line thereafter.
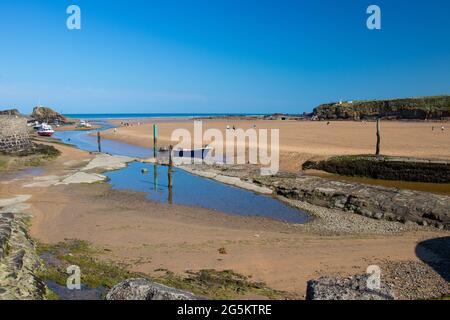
x,y
46,130
84,124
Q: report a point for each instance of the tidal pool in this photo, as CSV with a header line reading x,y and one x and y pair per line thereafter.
x,y
191,190
185,188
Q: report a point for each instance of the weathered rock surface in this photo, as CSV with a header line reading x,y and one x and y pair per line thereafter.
x,y
142,289
44,114
375,202
371,201
351,288
106,162
18,261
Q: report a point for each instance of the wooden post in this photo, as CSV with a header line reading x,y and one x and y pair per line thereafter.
x,y
169,176
377,152
155,140
99,141
170,156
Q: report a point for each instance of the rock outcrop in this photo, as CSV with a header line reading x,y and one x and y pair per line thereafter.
x,y
436,108
45,114
371,201
18,261
142,289
376,202
351,288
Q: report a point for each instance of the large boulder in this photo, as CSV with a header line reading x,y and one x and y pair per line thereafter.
x,y
142,289
351,288
44,114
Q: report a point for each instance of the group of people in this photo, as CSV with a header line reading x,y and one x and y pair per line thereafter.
x,y
234,128
442,128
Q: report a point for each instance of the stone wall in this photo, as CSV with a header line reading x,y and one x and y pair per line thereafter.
x,y
13,134
19,261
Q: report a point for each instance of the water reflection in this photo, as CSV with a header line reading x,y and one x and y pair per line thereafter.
x,y
174,186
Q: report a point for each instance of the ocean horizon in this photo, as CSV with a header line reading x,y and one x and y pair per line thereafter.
x,y
107,116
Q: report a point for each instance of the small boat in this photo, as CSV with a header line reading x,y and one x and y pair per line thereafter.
x,y
46,130
36,126
192,153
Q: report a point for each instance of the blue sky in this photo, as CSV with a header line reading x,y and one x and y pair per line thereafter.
x,y
254,56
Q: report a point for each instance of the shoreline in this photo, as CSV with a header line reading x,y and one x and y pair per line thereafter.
x,y
301,141
179,238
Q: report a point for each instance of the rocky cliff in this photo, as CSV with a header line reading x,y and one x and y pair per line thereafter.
x,y
45,114
425,108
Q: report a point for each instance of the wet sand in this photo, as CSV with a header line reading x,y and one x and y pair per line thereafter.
x,y
148,236
304,140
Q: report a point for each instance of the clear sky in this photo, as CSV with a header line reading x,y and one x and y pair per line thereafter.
x,y
217,56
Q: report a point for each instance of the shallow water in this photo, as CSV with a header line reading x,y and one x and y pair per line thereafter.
x,y
187,189
83,140
19,174
438,188
85,293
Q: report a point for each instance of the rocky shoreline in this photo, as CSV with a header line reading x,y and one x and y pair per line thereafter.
x,y
374,202
19,261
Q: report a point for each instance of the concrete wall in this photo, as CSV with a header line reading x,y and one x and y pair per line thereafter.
x,y
13,134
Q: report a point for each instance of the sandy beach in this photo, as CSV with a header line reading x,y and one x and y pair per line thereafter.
x,y
150,236
304,140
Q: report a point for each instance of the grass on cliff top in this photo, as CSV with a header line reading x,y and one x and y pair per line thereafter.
x,y
95,273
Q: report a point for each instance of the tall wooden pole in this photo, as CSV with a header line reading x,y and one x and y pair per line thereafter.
x,y
377,152
170,157
169,176
155,140
99,141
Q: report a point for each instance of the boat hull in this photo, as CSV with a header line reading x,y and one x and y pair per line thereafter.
x,y
45,134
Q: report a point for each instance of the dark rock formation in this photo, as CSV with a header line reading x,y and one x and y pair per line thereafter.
x,y
142,289
44,114
371,201
376,202
386,168
351,288
436,108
